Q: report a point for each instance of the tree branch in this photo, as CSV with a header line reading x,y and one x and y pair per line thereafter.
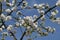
x,y
23,35
17,6
4,22
45,13
13,35
20,3
38,19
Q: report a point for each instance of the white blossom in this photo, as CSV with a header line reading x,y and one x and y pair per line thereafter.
x,y
24,5
34,25
39,29
8,18
42,17
46,27
3,16
13,2
17,24
34,17
57,20
54,12
41,6
1,29
9,27
21,22
30,22
8,10
5,33
54,29
28,27
49,29
25,2
3,26
19,13
35,6
14,8
58,3
10,4
47,6
41,11
27,18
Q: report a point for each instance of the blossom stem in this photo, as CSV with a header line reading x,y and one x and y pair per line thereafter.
x,y
4,22
45,13
23,35
20,3
38,19
17,6
13,35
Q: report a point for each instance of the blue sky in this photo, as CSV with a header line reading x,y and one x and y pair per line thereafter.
x,y
55,36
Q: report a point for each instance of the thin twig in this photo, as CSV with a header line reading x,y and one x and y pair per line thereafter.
x,y
20,3
23,35
45,13
13,35
37,20
4,22
17,6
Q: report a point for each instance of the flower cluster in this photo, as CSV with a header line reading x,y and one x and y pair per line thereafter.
x,y
10,4
40,6
5,18
9,27
27,22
